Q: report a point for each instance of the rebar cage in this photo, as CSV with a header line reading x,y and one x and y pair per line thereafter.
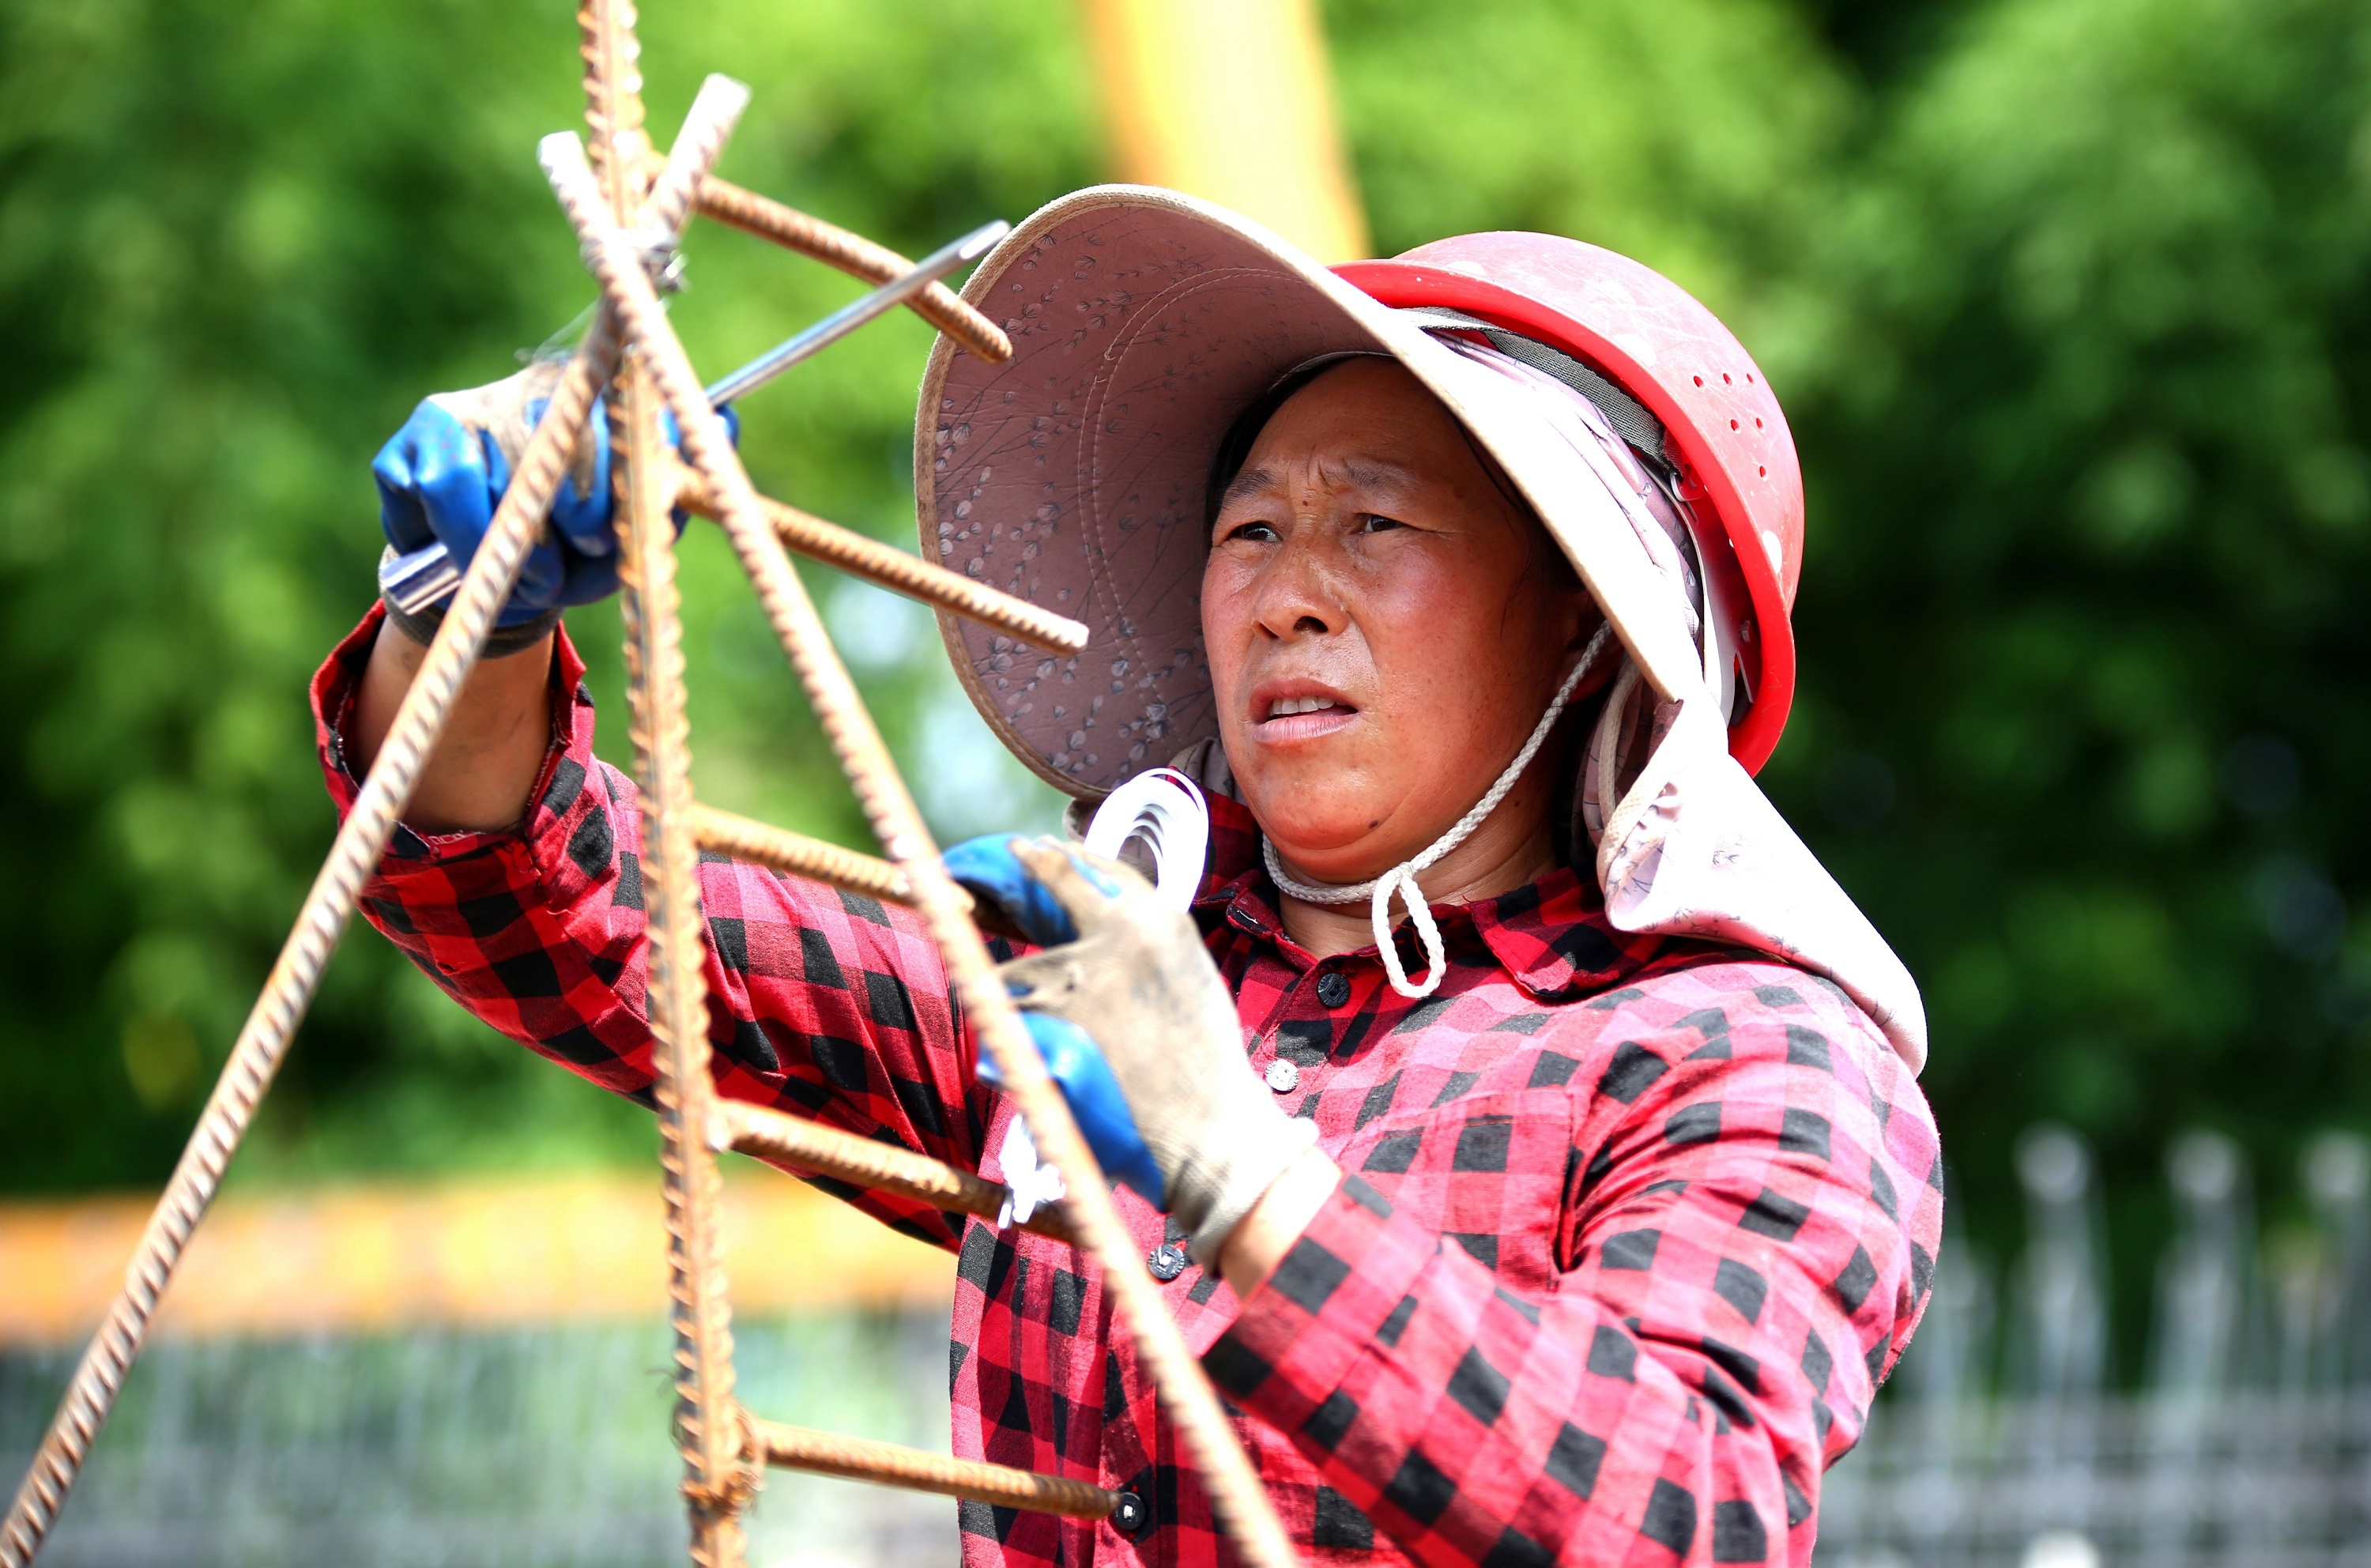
x,y
627,208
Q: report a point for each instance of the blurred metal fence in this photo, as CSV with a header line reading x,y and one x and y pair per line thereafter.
x,y
2000,1441
454,1449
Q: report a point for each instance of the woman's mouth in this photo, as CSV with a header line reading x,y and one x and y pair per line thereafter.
x,y
1301,716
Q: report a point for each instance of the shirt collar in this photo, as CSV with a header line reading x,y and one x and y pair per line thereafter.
x,y
1552,937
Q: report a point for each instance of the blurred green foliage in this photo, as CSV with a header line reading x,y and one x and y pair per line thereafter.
x,y
2069,300
2092,530
235,249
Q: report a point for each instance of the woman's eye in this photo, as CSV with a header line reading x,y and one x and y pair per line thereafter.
x,y
1374,523
1256,533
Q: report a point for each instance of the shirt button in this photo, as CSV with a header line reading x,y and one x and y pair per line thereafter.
x,y
1166,1262
1127,1514
1284,1075
1332,990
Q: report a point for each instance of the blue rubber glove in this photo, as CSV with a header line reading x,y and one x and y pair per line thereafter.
x,y
1021,905
986,867
1076,1064
443,474
1164,1023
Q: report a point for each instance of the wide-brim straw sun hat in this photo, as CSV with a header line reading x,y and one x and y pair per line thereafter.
x,y
1144,322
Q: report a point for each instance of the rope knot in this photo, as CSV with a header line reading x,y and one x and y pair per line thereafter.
x,y
1400,881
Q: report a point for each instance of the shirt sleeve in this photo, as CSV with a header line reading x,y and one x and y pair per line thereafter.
x,y
1747,1236
822,1003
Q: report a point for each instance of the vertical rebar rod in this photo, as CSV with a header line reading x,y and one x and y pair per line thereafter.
x,y
717,1480
263,1042
1236,1497
613,100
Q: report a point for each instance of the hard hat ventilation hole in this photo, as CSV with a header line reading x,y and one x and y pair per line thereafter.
x,y
1733,424
1763,471
1725,381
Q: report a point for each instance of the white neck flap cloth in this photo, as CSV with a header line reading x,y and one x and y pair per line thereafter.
x,y
1687,844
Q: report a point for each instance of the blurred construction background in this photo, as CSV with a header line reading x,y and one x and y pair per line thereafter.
x,y
2069,302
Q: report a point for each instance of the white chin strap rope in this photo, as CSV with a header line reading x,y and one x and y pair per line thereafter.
x,y
1401,879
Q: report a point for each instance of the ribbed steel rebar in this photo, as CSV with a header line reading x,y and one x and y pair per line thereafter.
x,y
746,839
1236,1497
853,254
620,149
715,112
900,572
718,1480
716,1483
263,1042
827,1151
892,1464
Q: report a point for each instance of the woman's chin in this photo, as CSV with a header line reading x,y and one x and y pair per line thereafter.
x,y
1335,849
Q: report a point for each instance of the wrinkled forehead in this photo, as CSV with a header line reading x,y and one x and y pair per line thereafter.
x,y
1361,427
1359,408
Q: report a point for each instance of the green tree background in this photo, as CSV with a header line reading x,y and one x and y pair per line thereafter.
x,y
2069,302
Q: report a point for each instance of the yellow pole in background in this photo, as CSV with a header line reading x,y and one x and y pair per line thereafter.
x,y
1230,100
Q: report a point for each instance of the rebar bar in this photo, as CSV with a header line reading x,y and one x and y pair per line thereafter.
x,y
803,345
746,839
1241,1505
620,149
899,571
851,253
810,1145
892,1464
329,904
715,112
717,1481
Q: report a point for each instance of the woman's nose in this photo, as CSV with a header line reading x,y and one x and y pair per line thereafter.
x,y
1299,596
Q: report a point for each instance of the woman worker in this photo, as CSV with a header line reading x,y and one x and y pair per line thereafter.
x,y
1565,1202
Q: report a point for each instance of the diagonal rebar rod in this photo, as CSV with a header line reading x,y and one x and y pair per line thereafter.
x,y
1236,1497
901,571
710,1432
698,144
770,220
805,345
263,1042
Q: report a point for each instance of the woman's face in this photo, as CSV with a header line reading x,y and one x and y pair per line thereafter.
x,y
1384,626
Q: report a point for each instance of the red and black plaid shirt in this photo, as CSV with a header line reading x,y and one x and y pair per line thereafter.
x,y
1632,1231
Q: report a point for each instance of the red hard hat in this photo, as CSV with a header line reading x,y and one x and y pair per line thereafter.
x,y
1659,344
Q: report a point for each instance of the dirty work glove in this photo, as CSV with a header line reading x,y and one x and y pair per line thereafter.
x,y
1012,903
443,474
1130,977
